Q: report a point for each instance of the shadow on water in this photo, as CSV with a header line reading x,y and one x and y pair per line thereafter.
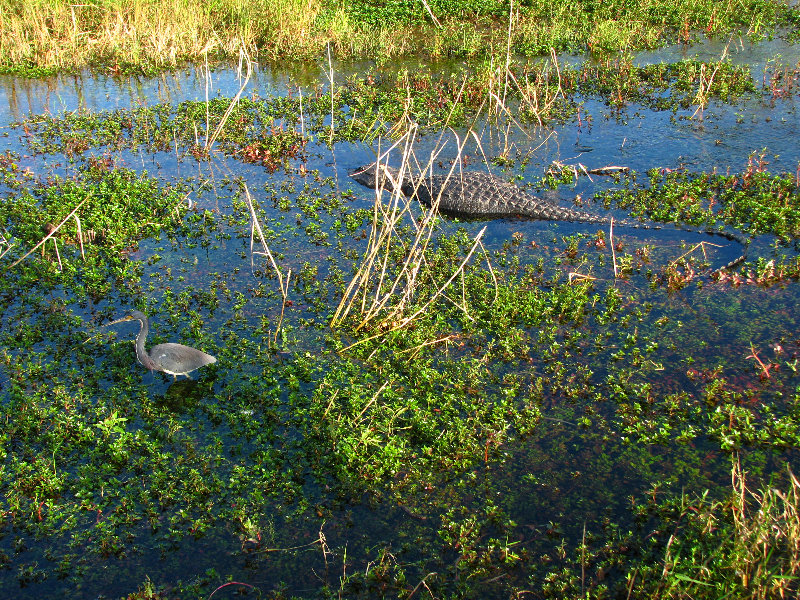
x,y
181,397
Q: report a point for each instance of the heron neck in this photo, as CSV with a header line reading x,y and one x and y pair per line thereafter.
x,y
141,353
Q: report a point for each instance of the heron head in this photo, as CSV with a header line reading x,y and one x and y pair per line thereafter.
x,y
134,315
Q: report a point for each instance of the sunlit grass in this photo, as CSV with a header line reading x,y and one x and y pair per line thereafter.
x,y
54,34
48,35
749,546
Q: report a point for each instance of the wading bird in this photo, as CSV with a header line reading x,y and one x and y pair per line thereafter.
x,y
173,359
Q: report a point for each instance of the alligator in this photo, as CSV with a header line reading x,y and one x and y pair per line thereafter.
x,y
479,195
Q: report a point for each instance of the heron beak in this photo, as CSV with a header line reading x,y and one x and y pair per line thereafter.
x,y
122,320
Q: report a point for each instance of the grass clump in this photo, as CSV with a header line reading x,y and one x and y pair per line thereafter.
x,y
38,37
746,546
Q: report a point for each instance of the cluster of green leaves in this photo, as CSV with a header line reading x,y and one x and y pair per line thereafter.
x,y
249,130
369,13
755,200
87,253
265,130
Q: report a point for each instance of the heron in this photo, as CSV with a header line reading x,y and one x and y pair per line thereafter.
x,y
173,359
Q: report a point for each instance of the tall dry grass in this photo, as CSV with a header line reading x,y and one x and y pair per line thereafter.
x,y
395,282
162,33
749,546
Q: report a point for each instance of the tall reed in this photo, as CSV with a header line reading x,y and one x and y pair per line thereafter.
x,y
395,282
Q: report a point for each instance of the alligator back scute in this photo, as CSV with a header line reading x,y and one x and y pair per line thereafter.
x,y
483,195
473,194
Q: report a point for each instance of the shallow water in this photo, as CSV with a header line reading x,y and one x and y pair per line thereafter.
x,y
550,483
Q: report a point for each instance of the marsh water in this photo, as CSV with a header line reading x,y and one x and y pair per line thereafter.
x,y
228,477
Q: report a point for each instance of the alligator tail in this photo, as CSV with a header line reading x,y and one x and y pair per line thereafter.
x,y
732,237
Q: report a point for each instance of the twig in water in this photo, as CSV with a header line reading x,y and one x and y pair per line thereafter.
x,y
419,585
583,561
611,241
224,585
320,540
4,242
693,248
415,349
51,234
255,227
764,367
573,277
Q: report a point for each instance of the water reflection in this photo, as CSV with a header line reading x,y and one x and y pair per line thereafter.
x,y
181,397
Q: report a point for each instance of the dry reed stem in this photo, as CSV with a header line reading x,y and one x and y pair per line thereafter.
x,y
508,49
410,318
369,286
433,16
415,254
320,540
331,82
255,227
611,243
80,235
765,552
4,242
701,98
446,339
583,560
58,255
372,401
531,96
302,123
379,237
421,584
773,526
580,277
387,301
51,234
764,367
693,248
243,55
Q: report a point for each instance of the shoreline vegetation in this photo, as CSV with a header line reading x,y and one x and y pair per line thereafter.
x,y
44,37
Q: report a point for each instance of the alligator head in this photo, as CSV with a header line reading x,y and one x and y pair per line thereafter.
x,y
380,176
